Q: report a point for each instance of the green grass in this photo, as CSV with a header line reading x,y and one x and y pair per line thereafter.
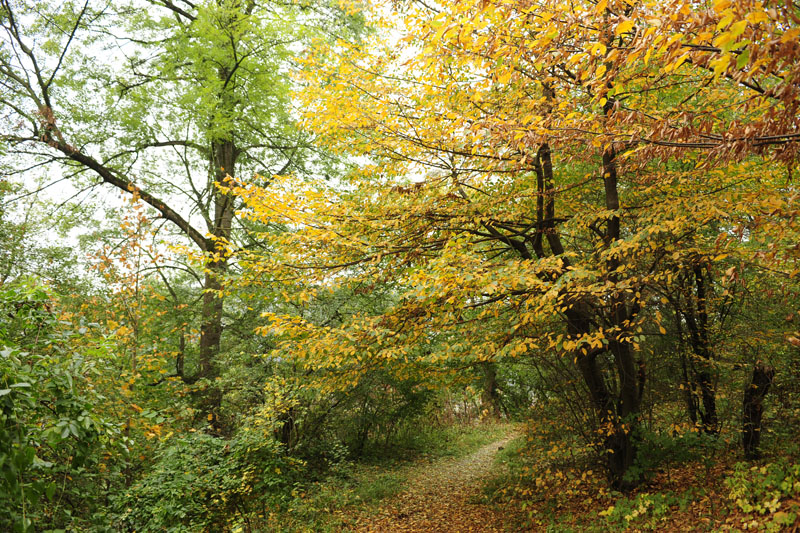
x,y
510,457
456,441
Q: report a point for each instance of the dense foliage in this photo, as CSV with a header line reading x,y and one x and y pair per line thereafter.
x,y
345,227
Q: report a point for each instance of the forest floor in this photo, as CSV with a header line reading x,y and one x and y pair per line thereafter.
x,y
499,477
442,496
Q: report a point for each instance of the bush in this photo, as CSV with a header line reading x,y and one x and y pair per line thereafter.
x,y
645,509
659,449
49,430
204,483
760,489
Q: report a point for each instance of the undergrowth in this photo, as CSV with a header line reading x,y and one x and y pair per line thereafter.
x,y
692,482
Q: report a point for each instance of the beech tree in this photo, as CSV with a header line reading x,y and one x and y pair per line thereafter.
x,y
538,171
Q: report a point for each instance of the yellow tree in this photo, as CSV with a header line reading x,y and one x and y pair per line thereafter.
x,y
536,170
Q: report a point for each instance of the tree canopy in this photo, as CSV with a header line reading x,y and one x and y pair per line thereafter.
x,y
543,180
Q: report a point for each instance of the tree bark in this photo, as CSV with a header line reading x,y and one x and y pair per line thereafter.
x,y
224,155
617,413
753,409
696,317
621,447
490,396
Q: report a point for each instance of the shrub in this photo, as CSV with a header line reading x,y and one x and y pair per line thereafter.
x,y
760,489
645,509
659,449
204,483
49,430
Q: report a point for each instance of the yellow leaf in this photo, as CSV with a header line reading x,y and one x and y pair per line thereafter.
x,y
721,64
599,47
790,35
757,16
738,28
623,27
723,23
505,77
721,5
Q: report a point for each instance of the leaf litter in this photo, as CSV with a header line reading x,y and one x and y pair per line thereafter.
x,y
442,496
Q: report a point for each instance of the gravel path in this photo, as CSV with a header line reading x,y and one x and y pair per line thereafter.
x,y
440,497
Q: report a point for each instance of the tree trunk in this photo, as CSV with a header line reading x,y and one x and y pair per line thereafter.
x,y
620,445
618,416
490,396
617,413
618,410
224,155
211,326
753,408
688,390
696,316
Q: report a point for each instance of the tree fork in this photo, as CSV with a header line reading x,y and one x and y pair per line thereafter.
x,y
622,449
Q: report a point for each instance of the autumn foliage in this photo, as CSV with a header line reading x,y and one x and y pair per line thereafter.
x,y
549,181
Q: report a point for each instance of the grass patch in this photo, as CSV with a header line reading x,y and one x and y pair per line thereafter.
x,y
324,506
458,441
510,461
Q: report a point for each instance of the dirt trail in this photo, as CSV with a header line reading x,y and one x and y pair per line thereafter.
x,y
439,498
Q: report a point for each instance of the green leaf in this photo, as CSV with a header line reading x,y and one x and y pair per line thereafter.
x,y
743,59
50,491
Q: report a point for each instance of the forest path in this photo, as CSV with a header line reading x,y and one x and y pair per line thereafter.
x,y
440,498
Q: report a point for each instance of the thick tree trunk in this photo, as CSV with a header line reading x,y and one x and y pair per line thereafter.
x,y
211,326
617,410
620,442
617,413
618,445
224,155
753,409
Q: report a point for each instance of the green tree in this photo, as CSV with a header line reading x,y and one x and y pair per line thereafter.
x,y
52,437
163,101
